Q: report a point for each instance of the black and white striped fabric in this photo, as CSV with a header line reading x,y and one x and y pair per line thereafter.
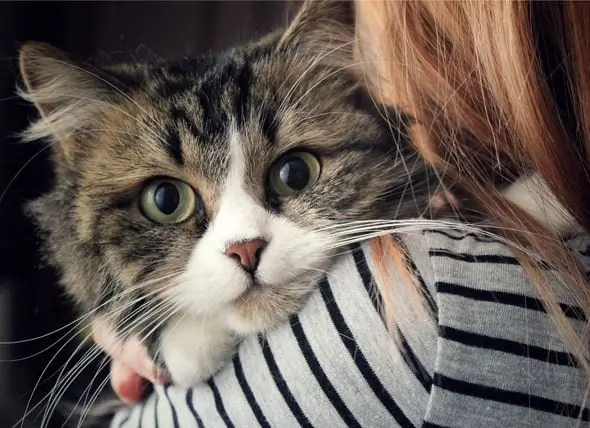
x,y
488,356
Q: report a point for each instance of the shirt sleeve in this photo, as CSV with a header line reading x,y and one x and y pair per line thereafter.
x,y
500,360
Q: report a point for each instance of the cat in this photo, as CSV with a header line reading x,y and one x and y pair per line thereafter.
x,y
196,201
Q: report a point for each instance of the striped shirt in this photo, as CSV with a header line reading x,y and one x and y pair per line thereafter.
x,y
487,354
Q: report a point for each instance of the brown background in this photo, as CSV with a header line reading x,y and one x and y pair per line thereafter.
x,y
30,304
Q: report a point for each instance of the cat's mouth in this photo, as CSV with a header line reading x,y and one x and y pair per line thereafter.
x,y
254,284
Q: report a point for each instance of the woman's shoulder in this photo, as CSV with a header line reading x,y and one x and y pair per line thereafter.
x,y
493,328
453,259
466,240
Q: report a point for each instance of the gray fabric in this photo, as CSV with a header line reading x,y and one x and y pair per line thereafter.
x,y
489,357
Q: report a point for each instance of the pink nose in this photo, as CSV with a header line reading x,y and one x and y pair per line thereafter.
x,y
247,253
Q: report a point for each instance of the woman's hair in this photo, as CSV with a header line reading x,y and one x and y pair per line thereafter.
x,y
499,89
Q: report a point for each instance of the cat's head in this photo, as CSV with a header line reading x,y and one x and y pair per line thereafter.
x,y
210,185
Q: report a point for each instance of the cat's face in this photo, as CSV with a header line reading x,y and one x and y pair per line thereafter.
x,y
213,185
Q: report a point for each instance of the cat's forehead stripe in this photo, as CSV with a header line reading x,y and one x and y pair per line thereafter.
x,y
182,118
173,142
181,121
200,103
243,82
205,104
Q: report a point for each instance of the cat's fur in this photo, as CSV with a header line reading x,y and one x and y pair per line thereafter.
x,y
217,123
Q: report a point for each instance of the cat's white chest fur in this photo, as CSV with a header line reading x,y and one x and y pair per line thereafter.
x,y
194,348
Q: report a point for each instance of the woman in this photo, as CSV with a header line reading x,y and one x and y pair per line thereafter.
x,y
474,331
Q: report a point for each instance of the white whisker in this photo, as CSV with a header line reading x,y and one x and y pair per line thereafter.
x,y
311,66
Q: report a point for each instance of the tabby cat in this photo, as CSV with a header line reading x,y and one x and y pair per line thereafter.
x,y
200,200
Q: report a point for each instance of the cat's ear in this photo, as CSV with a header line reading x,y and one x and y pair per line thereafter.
x,y
324,29
67,94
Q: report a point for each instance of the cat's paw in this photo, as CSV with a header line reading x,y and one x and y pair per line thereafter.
x,y
193,349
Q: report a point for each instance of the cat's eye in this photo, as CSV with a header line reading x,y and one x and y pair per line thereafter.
x,y
293,173
169,201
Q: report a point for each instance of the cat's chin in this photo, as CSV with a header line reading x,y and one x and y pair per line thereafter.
x,y
263,307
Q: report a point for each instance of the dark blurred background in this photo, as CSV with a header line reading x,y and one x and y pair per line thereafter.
x,y
30,303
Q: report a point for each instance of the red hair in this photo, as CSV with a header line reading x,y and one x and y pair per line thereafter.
x,y
499,90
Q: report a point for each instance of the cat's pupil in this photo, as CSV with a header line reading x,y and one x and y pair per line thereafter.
x,y
295,173
167,198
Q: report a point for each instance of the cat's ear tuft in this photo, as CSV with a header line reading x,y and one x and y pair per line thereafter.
x,y
323,28
67,94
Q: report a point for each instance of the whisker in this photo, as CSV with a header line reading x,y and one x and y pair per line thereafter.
x,y
324,78
314,64
107,316
18,173
64,383
87,405
88,314
171,314
94,352
93,399
155,310
407,228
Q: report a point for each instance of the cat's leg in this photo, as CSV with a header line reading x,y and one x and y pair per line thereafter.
x,y
193,349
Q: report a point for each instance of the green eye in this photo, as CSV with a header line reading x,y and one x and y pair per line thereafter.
x,y
294,173
169,201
